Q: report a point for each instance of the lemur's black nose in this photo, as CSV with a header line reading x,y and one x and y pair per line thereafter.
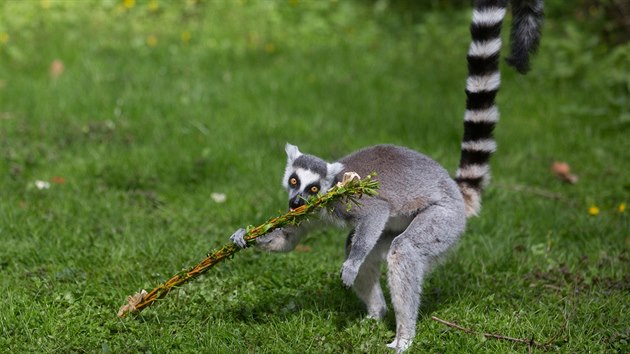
x,y
296,202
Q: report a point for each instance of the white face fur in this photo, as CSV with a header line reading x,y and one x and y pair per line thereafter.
x,y
306,182
308,178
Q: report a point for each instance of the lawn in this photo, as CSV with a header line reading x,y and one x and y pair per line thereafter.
x,y
121,122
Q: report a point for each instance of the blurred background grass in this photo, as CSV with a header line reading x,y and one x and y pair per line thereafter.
x,y
130,114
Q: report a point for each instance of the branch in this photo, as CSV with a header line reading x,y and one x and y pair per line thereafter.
x,y
530,342
536,191
347,190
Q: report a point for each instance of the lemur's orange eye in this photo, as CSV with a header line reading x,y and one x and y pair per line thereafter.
x,y
314,189
293,181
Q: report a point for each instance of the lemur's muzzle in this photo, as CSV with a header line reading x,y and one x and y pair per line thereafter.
x,y
296,201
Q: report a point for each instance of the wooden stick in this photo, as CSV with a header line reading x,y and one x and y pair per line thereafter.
x,y
535,191
348,190
530,342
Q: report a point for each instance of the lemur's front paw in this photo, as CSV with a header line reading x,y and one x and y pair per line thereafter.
x,y
349,273
238,238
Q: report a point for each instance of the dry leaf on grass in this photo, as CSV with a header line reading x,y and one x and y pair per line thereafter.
x,y
218,197
303,248
56,68
41,185
58,180
563,171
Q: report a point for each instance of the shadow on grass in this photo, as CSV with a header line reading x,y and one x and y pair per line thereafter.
x,y
326,300
341,307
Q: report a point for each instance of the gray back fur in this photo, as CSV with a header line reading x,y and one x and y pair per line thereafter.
x,y
410,181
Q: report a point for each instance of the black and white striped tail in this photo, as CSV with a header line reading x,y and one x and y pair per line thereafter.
x,y
481,112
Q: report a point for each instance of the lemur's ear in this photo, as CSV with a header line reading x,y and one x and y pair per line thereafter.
x,y
292,152
333,169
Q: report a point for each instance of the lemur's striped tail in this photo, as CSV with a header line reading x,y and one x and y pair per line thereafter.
x,y
483,83
481,112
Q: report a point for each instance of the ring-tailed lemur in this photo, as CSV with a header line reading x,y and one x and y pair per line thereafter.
x,y
420,211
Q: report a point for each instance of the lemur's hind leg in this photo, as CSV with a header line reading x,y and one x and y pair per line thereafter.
x,y
367,285
409,259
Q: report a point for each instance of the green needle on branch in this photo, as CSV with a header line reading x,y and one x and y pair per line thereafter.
x,y
349,191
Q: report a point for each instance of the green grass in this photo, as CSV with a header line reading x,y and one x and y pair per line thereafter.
x,y
142,135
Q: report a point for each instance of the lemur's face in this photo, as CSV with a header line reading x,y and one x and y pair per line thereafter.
x,y
307,175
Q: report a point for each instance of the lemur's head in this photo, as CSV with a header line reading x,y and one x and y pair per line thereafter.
x,y
307,175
